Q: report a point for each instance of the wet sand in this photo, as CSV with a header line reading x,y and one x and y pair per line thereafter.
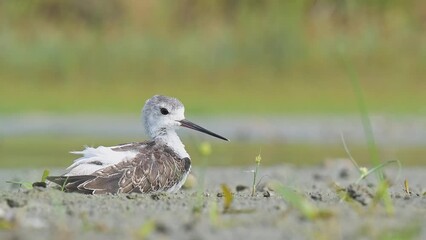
x,y
46,213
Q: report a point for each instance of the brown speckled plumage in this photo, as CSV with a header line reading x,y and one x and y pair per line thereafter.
x,y
155,168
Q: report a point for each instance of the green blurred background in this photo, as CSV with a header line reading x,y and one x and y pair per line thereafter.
x,y
224,57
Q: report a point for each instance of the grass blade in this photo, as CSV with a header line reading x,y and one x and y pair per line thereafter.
x,y
378,167
46,173
366,123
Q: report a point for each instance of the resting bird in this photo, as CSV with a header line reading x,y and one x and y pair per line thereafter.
x,y
158,165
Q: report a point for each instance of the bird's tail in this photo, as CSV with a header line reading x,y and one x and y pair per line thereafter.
x,y
71,183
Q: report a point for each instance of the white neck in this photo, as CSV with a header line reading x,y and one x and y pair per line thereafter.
x,y
172,140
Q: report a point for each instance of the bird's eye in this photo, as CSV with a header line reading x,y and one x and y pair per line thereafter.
x,y
164,111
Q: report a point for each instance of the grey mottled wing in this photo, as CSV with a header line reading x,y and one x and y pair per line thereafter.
x,y
156,168
72,183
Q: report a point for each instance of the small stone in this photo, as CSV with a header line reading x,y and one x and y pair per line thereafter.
x,y
14,203
131,196
316,196
344,173
219,194
359,194
266,194
240,188
39,185
155,197
161,228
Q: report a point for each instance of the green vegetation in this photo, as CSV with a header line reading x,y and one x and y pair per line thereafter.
x,y
221,57
266,57
31,185
52,151
205,151
255,173
382,192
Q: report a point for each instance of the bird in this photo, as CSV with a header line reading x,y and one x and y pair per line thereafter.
x,y
160,164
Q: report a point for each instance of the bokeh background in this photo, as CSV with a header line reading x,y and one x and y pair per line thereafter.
x,y
266,68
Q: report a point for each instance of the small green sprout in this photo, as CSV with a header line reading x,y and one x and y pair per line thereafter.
x,y
382,194
406,187
257,161
371,143
363,171
31,185
45,175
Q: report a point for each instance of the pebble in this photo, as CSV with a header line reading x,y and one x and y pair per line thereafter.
x,y
14,203
316,196
267,194
240,188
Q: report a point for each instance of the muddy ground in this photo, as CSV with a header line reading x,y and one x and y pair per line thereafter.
x,y
46,213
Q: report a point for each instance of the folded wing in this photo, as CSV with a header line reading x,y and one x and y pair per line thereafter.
x,y
152,169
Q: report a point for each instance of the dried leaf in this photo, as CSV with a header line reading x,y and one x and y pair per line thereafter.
x,y
227,196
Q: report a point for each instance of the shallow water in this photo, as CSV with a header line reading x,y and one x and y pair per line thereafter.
x,y
396,131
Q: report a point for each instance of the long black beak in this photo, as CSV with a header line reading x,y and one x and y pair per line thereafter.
x,y
191,125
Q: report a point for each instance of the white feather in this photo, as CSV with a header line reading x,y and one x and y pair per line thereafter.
x,y
103,155
172,140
